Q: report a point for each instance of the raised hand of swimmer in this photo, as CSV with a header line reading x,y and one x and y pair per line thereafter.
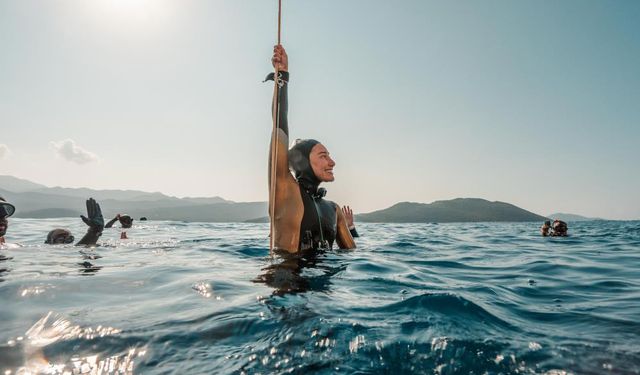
x,y
94,218
280,60
348,215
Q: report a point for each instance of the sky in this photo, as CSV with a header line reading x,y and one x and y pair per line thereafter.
x,y
535,103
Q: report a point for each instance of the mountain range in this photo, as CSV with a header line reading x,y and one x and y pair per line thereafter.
x,y
33,200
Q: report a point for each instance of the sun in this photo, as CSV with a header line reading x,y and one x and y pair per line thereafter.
x,y
131,6
133,15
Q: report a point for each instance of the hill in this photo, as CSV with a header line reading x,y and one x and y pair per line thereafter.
x,y
34,200
18,184
455,210
38,201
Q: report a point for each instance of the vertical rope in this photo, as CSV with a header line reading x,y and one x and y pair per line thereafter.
x,y
279,19
274,147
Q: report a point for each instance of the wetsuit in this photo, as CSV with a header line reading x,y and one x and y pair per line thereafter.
x,y
304,219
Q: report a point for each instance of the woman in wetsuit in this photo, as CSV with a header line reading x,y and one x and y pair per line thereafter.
x,y
303,218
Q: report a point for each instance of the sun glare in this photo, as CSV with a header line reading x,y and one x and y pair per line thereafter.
x,y
140,15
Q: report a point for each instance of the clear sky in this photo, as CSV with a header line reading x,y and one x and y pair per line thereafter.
x,y
536,103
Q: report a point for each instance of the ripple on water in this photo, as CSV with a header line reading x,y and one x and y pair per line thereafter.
x,y
413,298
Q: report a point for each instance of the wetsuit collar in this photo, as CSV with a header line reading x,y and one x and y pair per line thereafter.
x,y
312,188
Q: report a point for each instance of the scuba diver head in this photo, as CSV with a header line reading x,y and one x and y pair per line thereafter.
x,y
560,228
310,162
544,229
6,210
59,236
126,221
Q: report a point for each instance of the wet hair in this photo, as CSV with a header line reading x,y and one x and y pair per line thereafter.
x,y
560,228
59,236
126,221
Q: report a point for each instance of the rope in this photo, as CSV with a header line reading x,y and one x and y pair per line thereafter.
x,y
274,149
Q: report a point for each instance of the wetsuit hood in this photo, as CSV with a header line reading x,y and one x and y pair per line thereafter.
x,y
300,164
126,221
6,209
59,236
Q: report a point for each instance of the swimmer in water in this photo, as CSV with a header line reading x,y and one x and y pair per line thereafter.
x,y
545,228
560,229
59,236
126,222
303,218
6,210
94,220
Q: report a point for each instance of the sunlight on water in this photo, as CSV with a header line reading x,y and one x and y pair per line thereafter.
x,y
51,329
413,298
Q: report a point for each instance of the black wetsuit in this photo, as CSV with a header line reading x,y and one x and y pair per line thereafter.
x,y
319,223
318,228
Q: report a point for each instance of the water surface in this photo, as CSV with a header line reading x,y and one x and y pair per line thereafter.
x,y
424,298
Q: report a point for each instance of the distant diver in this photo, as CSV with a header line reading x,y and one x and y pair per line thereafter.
x,y
301,218
94,221
560,228
59,236
545,228
126,222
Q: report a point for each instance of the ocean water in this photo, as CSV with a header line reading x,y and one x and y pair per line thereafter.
x,y
204,298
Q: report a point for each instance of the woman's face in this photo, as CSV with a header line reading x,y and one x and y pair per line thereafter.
x,y
321,163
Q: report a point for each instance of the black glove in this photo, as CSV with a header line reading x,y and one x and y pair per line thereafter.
x,y
95,220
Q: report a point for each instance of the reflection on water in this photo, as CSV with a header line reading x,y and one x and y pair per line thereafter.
x,y
29,354
187,298
4,269
87,268
286,273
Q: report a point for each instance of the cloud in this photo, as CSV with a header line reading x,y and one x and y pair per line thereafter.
x,y
4,151
68,150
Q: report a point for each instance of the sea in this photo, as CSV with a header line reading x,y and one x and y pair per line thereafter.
x,y
208,298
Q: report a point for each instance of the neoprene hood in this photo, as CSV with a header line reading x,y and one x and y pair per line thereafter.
x,y
300,164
